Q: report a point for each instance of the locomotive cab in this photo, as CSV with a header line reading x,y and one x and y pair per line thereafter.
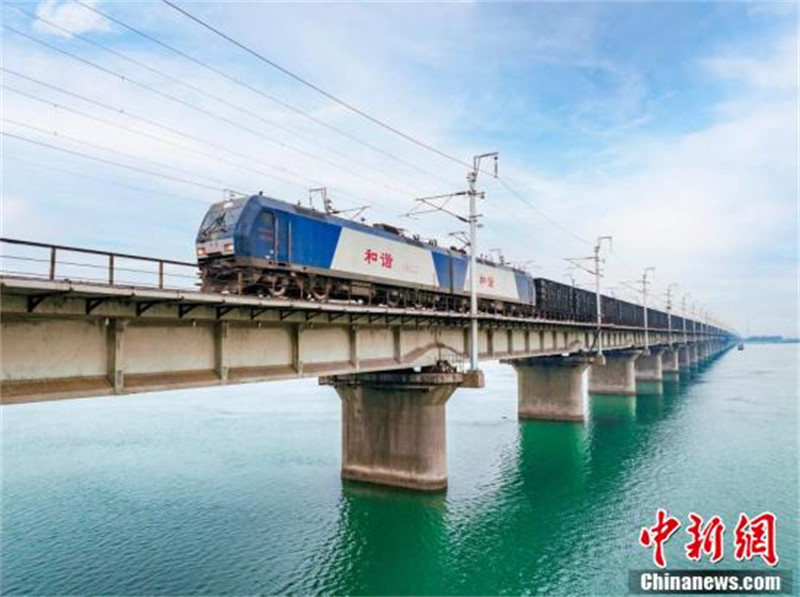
x,y
216,236
238,241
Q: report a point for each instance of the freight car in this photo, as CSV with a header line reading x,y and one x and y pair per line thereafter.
x,y
657,319
553,299
584,304
260,245
630,314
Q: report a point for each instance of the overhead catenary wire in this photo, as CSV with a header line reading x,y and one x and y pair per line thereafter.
x,y
169,129
112,162
555,223
108,149
151,136
118,183
345,104
355,109
192,87
151,89
272,98
320,90
376,121
125,154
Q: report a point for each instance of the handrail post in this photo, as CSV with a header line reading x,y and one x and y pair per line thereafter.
x,y
52,263
111,270
160,275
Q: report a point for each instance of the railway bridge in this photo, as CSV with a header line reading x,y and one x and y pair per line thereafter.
x,y
69,336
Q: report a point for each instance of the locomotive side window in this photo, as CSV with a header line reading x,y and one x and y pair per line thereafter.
x,y
267,227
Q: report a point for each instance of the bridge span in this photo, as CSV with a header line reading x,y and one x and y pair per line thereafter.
x,y
394,368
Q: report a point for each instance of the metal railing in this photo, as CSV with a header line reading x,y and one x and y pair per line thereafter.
x,y
61,262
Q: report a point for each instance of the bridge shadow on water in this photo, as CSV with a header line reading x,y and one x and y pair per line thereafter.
x,y
553,520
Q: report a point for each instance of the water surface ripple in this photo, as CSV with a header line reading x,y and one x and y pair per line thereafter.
x,y
236,491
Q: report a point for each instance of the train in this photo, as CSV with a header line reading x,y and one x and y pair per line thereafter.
x,y
258,245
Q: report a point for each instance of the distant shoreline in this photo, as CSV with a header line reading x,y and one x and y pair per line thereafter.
x,y
771,340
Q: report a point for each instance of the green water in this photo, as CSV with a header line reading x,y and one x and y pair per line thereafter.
x,y
236,491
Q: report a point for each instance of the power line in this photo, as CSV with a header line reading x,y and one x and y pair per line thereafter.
x,y
361,112
150,136
164,127
190,86
264,94
99,179
327,95
527,201
319,89
102,148
615,256
129,129
289,73
112,162
191,106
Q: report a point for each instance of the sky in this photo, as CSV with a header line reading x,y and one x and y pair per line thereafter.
x,y
671,126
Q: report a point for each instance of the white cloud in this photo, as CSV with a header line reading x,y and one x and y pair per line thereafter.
x,y
715,209
775,73
69,15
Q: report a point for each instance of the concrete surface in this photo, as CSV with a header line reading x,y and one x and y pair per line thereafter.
x,y
393,427
617,376
551,388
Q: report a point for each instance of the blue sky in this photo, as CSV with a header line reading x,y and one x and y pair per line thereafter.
x,y
671,126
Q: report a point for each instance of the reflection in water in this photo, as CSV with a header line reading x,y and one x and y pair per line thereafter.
x,y
611,408
508,539
647,388
381,537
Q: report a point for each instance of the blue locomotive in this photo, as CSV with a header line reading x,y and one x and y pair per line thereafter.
x,y
260,245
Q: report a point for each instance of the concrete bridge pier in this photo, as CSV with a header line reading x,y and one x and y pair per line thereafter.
x,y
649,367
550,388
650,372
694,359
617,376
670,365
684,359
393,426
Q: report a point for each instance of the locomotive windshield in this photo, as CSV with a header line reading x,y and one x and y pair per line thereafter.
x,y
220,219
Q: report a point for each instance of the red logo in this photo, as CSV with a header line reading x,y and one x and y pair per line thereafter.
x,y
657,535
370,256
705,538
756,537
386,259
752,537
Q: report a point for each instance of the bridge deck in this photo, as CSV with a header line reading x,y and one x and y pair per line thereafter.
x,y
64,338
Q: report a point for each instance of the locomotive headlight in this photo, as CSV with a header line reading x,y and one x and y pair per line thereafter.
x,y
201,252
227,248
